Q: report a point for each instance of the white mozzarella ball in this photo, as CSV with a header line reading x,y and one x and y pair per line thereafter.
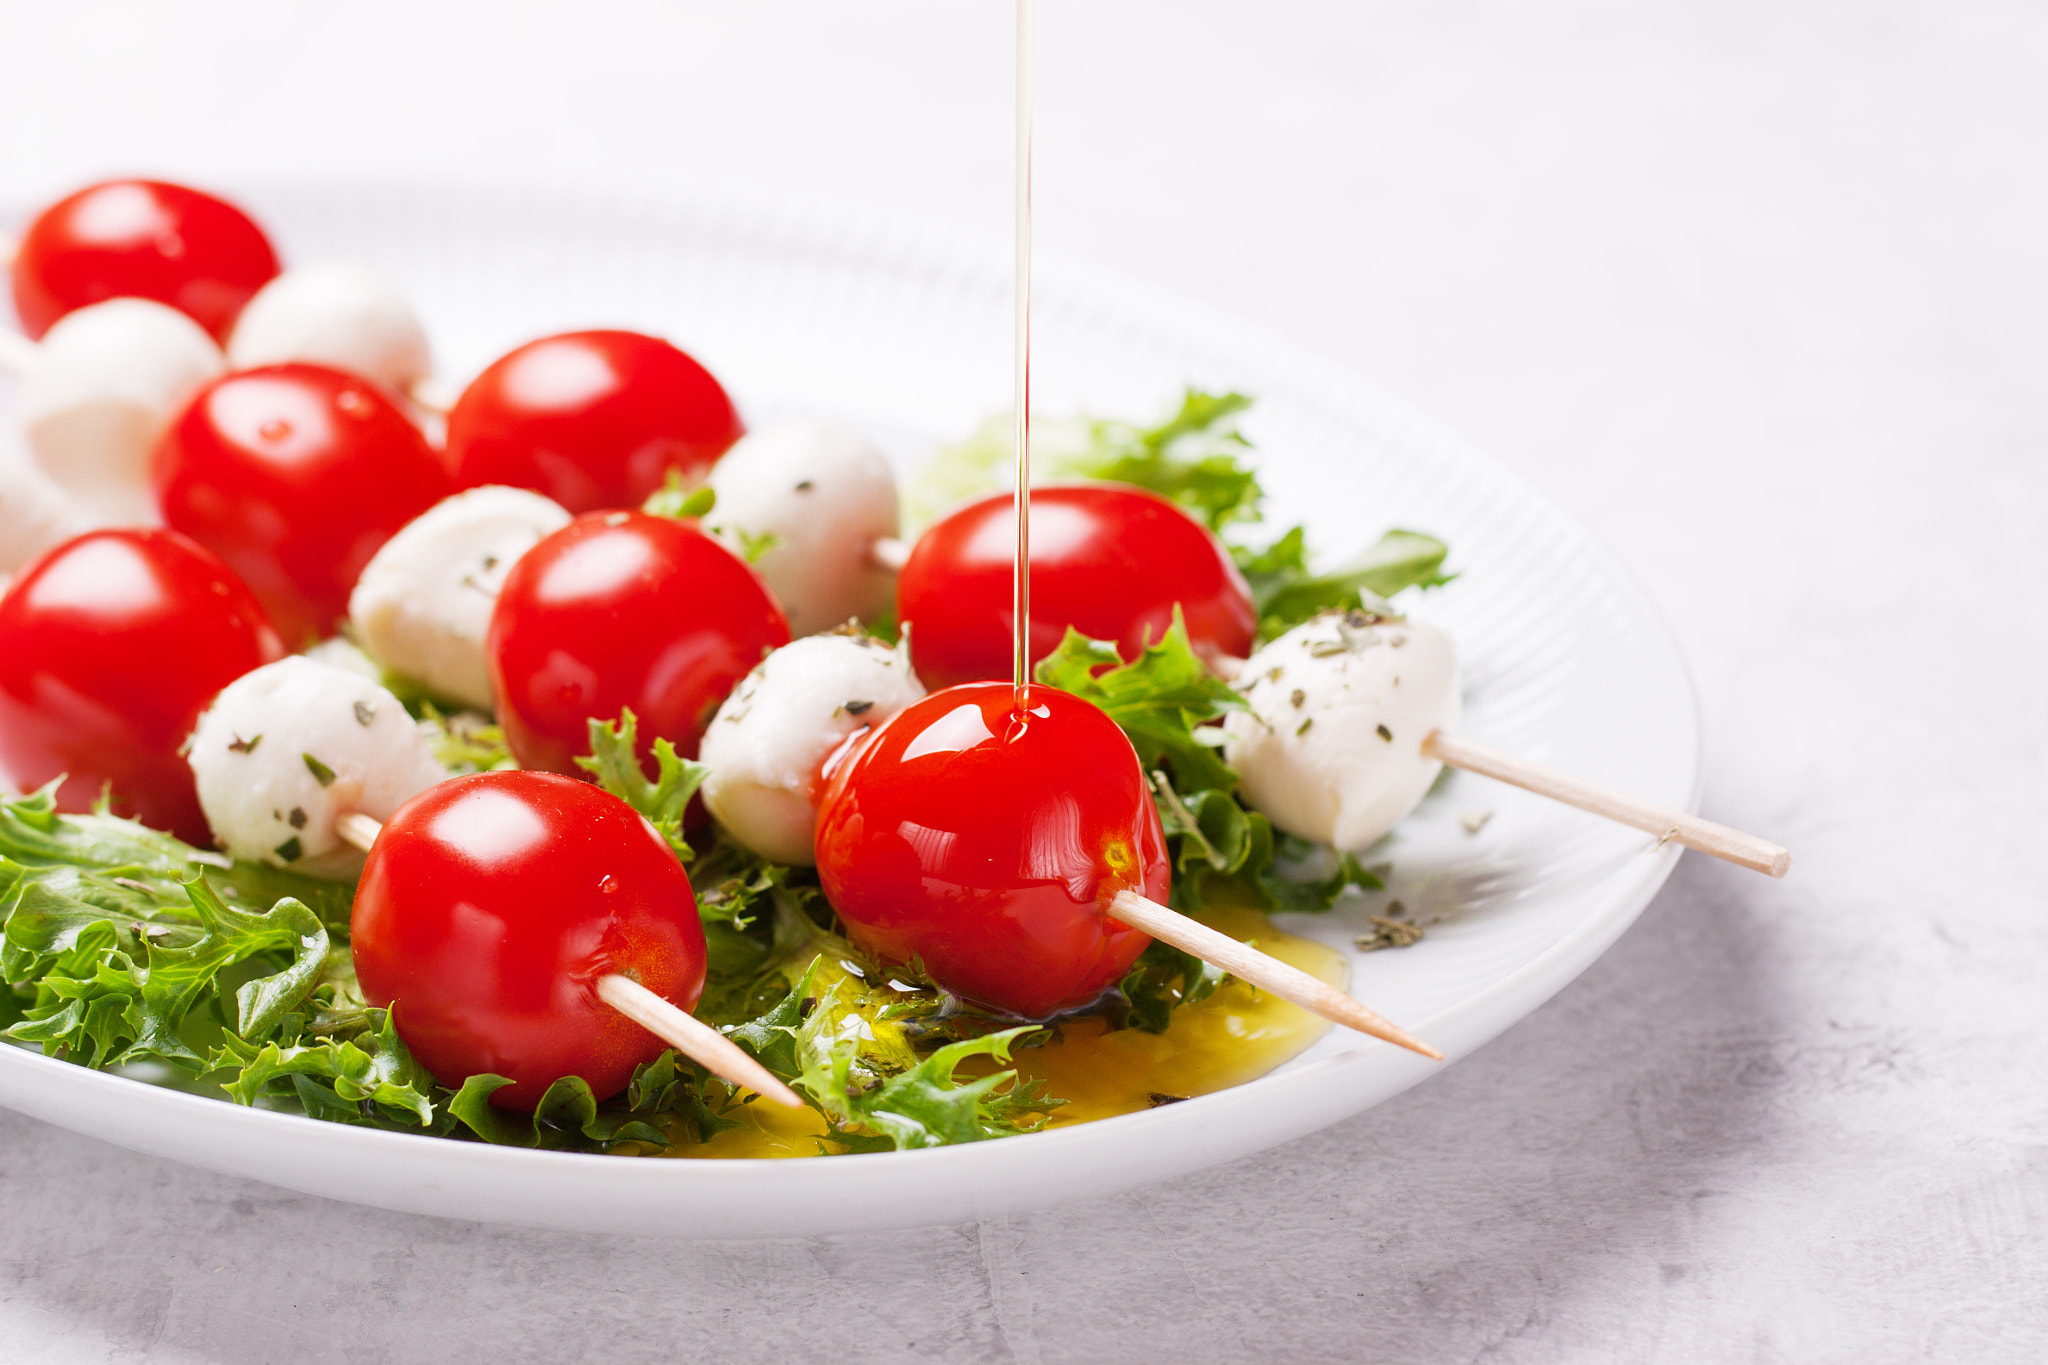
x,y
103,384
1332,747
827,495
336,313
423,603
286,751
768,740
34,514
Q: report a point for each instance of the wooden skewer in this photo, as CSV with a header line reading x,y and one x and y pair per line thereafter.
x,y
1731,845
678,1028
890,553
692,1037
357,830
432,395
1267,973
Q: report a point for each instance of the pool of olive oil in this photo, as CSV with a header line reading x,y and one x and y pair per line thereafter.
x,y
1236,1035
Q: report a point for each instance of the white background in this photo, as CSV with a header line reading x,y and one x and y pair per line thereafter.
x,y
1759,289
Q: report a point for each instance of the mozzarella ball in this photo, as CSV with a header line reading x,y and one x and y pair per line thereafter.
x,y
335,313
768,740
34,514
102,386
287,750
1331,749
423,603
826,494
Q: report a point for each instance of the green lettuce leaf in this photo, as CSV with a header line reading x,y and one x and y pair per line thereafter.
x,y
568,1117
841,1043
1199,459
1287,592
679,501
465,741
614,760
366,1077
1161,698
1196,457
1163,979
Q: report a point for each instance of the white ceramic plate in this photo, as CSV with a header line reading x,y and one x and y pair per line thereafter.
x,y
807,310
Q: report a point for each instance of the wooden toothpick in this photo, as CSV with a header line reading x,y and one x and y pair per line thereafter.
x,y
890,553
1731,845
1268,973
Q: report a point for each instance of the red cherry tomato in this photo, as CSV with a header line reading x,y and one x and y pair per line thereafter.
x,y
1107,559
295,475
618,610
141,239
592,419
111,645
986,843
490,907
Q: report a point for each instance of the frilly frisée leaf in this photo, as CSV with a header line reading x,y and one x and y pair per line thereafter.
x,y
1159,698
843,1047
615,762
1286,591
1199,459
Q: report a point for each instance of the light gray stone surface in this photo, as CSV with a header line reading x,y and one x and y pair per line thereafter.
x,y
1759,290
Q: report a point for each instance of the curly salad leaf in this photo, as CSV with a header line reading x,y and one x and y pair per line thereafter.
x,y
614,762
124,946
1198,457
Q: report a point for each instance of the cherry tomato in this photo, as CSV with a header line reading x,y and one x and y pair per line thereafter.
x,y
490,907
1107,559
986,841
618,610
111,645
592,419
141,239
295,475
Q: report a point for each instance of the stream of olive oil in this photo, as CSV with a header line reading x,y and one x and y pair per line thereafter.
x,y
1236,1035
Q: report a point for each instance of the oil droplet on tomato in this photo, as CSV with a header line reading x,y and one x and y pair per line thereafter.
x,y
1236,1035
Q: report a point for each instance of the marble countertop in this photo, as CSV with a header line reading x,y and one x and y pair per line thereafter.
x,y
1759,291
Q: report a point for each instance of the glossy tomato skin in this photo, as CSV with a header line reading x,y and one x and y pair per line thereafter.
x,y
986,842
295,475
111,645
1108,559
623,610
141,239
489,908
592,419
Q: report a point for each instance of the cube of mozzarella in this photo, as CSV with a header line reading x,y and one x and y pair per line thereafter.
x,y
1331,749
767,742
827,494
287,750
105,382
335,313
423,604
